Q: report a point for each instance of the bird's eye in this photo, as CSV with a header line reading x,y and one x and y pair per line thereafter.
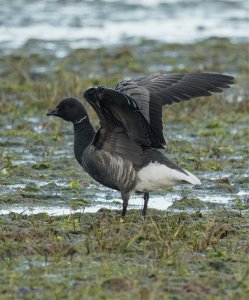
x,y
62,107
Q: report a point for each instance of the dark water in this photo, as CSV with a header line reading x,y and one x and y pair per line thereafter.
x,y
73,24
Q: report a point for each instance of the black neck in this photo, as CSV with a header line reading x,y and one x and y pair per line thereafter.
x,y
83,135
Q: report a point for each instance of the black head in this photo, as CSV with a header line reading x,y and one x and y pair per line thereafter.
x,y
69,109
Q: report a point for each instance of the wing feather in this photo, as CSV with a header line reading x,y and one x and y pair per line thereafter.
x,y
156,90
136,105
121,110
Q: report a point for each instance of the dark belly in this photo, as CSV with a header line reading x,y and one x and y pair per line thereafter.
x,y
110,170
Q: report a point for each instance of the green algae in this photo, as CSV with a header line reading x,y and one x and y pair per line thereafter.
x,y
170,255
41,166
193,203
74,203
31,187
219,126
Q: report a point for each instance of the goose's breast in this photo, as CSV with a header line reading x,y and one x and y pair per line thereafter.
x,y
109,169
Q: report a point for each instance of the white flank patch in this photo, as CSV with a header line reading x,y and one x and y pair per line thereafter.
x,y
156,175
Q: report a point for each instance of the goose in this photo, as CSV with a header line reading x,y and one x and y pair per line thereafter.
x,y
125,153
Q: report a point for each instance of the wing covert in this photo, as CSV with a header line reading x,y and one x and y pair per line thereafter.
x,y
121,110
156,90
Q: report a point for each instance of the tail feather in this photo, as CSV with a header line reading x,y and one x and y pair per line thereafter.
x,y
191,178
156,175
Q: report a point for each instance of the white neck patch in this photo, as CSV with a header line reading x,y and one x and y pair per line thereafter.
x,y
81,120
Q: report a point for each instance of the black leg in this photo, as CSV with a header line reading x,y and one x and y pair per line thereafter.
x,y
125,198
146,200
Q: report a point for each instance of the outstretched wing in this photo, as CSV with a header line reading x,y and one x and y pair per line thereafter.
x,y
154,91
116,150
116,109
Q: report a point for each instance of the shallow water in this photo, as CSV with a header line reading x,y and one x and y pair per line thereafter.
x,y
39,172
157,200
52,190
58,26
